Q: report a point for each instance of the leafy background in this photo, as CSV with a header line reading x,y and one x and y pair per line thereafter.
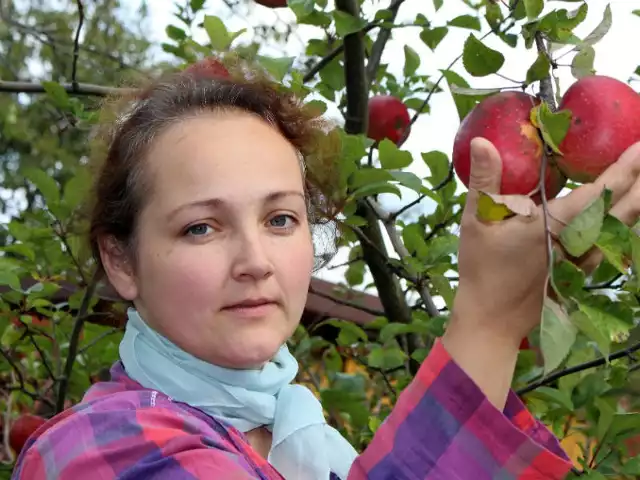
x,y
60,329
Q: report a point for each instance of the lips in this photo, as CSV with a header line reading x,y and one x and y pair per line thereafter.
x,y
252,308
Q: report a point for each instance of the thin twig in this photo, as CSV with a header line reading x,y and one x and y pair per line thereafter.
x,y
76,46
380,43
79,89
100,337
579,368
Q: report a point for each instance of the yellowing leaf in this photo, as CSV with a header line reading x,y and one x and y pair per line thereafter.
x,y
493,208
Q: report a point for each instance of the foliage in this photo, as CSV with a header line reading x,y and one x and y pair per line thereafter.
x,y
59,332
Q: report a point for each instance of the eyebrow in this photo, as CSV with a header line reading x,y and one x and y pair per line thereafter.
x,y
218,202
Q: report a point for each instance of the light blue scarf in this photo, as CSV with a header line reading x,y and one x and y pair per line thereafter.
x,y
304,446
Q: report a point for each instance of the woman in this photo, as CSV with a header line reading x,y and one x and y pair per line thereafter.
x,y
205,209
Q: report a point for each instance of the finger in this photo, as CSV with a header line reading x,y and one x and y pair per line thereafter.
x,y
486,170
627,209
619,178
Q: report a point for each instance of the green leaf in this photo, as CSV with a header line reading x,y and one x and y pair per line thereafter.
x,y
392,330
539,69
584,230
57,93
11,280
413,238
568,278
175,33
533,8
433,36
493,16
196,5
480,60
278,67
466,21
391,157
20,249
76,188
438,163
217,32
557,335
301,8
411,61
386,358
601,30
464,102
600,326
347,23
45,184
553,395
553,125
582,64
614,242
409,180
437,4
350,333
442,286
369,175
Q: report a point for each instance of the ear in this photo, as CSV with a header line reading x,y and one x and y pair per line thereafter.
x,y
118,267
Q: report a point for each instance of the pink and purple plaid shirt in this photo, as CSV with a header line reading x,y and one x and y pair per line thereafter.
x,y
442,427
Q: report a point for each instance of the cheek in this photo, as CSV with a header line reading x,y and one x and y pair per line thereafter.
x,y
183,275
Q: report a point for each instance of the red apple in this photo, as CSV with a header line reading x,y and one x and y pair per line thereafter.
x,y
272,3
22,429
209,67
504,120
388,118
524,344
605,122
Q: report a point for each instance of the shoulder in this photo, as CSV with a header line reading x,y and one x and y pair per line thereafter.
x,y
133,434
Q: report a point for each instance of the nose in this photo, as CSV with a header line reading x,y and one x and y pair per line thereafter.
x,y
251,260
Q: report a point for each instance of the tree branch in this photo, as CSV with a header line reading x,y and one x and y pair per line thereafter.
x,y
347,303
79,89
579,368
546,86
75,338
357,92
76,46
389,224
380,43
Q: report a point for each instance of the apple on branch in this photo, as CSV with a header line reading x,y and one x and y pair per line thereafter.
x,y
504,119
605,121
388,118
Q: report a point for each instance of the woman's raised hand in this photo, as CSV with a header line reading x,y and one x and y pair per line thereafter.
x,y
503,265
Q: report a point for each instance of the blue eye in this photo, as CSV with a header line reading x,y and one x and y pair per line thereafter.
x,y
280,221
197,230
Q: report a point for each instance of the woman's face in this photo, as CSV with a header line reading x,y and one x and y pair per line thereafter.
x,y
224,251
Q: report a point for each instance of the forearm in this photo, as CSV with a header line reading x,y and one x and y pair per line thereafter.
x,y
488,358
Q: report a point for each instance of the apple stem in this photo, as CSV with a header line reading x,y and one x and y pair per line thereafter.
x,y
546,86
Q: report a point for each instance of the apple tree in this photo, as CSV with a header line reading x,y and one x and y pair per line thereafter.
x,y
577,372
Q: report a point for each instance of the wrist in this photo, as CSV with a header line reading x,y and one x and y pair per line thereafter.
x,y
487,357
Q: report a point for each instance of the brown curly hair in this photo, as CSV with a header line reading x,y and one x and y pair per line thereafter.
x,y
132,121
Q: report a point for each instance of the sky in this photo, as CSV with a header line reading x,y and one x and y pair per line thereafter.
x,y
616,55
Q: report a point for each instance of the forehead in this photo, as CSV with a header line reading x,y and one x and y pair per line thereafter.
x,y
231,154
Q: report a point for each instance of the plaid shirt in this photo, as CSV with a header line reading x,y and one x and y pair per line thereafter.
x,y
442,427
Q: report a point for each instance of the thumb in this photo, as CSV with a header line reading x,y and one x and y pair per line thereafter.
x,y
486,169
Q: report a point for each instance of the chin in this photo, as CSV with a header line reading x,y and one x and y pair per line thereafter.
x,y
248,355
